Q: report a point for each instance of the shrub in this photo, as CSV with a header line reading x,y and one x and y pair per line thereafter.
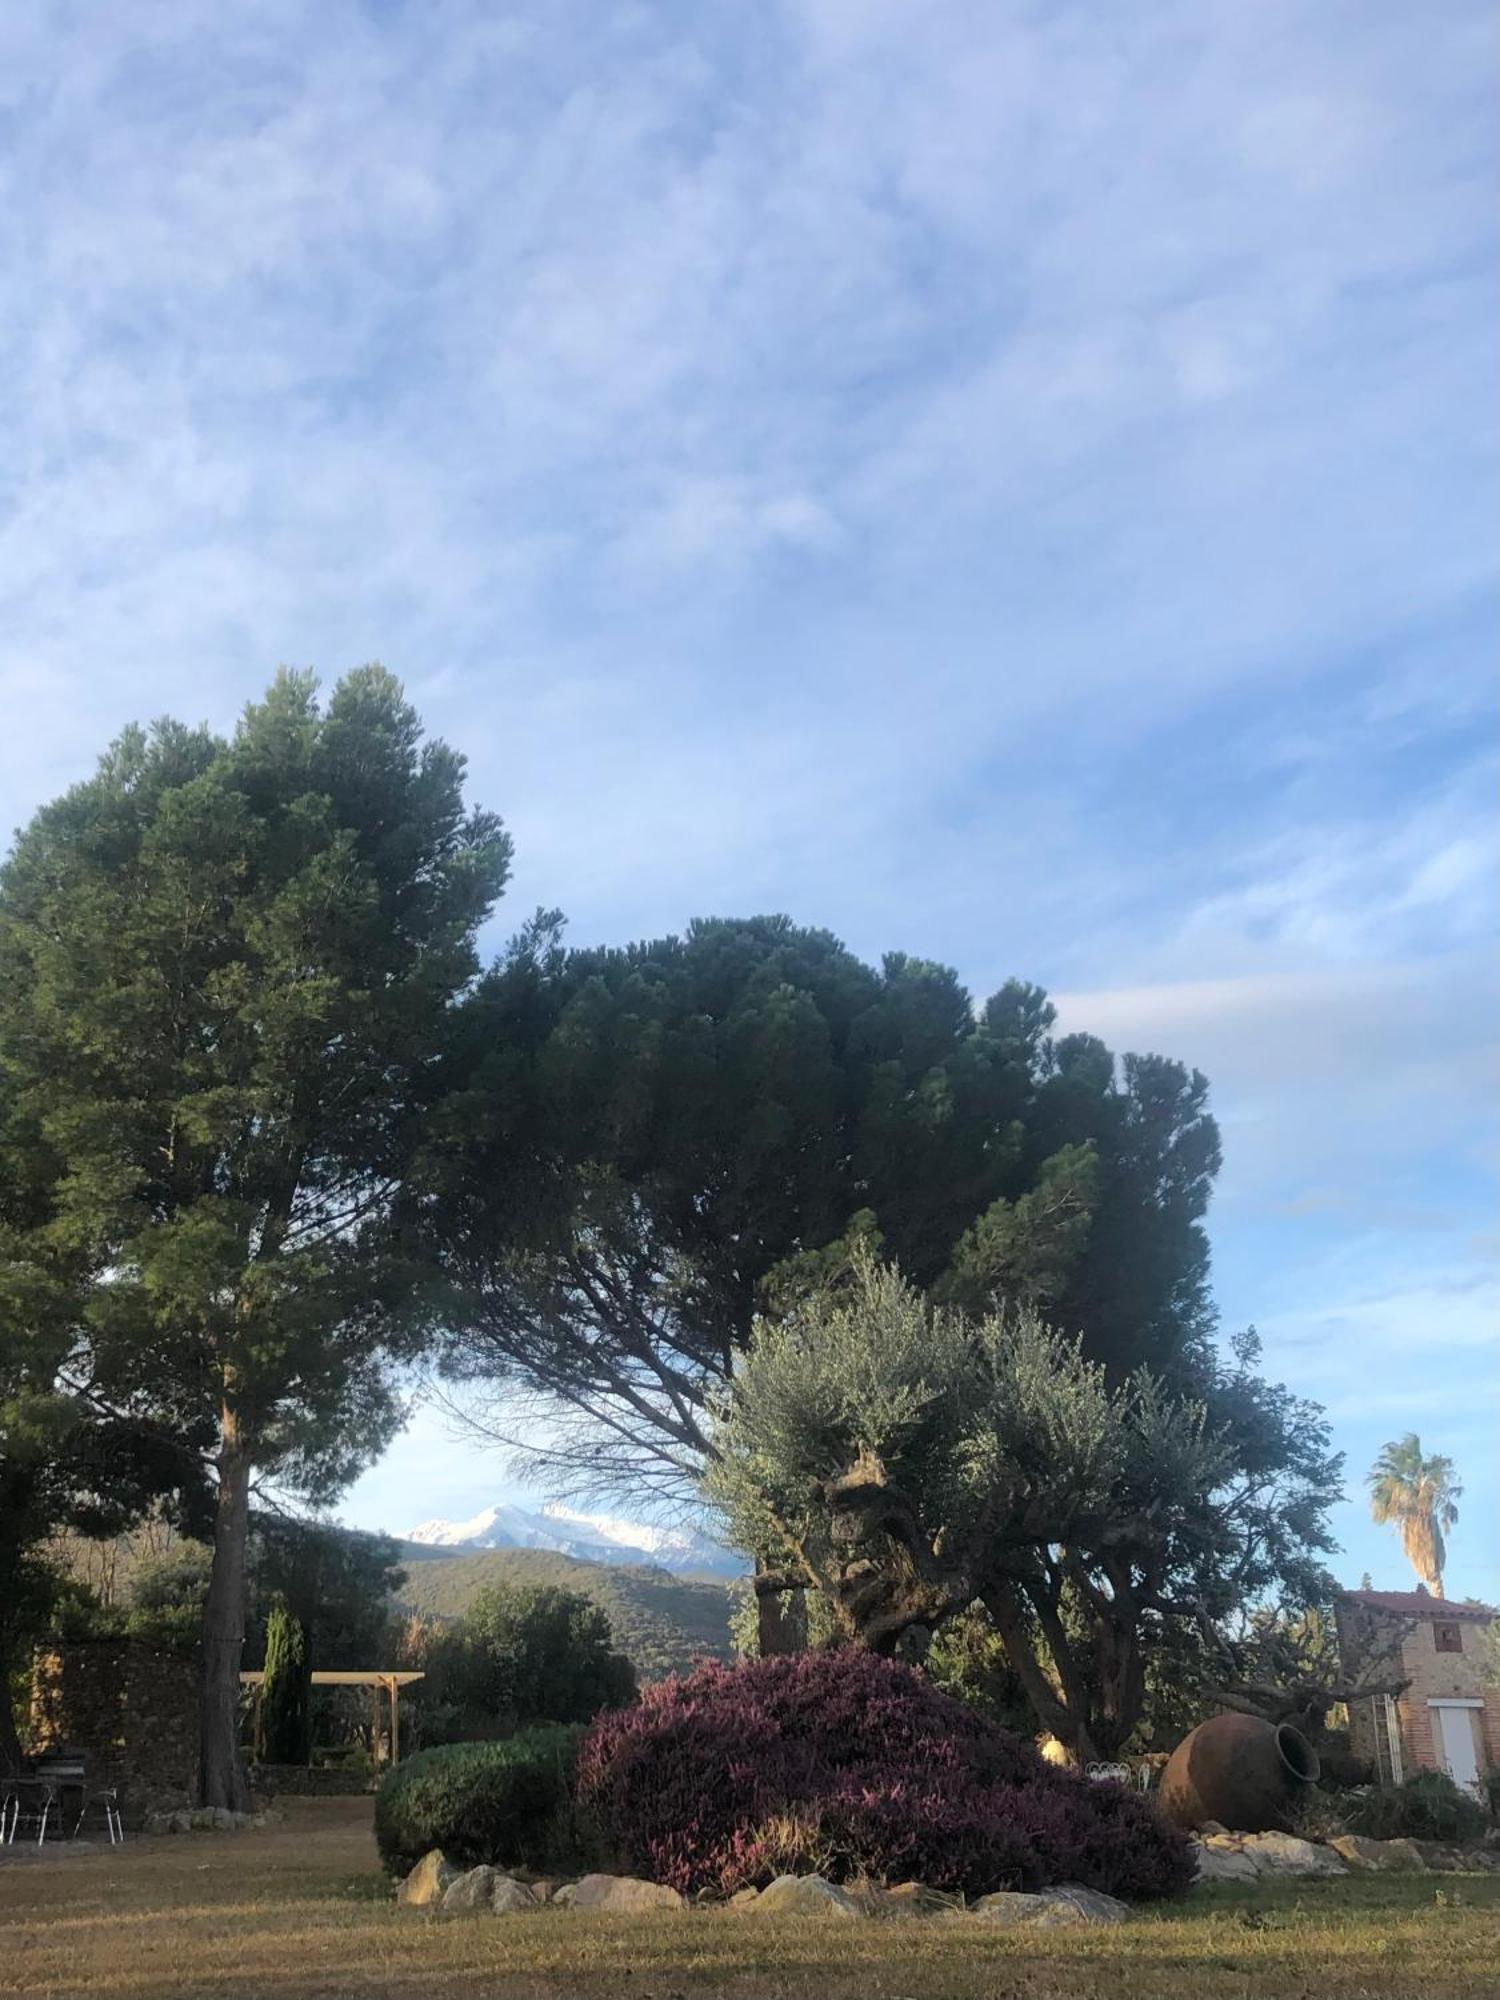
x,y
856,1766
522,1654
507,1803
1428,1806
285,1712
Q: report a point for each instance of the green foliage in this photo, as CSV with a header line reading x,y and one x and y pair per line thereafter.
x,y
337,1582
226,969
522,1653
905,1459
509,1804
1419,1497
166,1597
644,1146
1427,1806
967,1659
285,1716
662,1623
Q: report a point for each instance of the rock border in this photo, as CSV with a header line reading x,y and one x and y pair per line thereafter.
x,y
436,1885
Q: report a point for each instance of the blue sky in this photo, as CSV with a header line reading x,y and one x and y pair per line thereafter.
x,y
1011,482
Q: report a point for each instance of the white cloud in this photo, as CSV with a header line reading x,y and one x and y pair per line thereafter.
x,y
1019,489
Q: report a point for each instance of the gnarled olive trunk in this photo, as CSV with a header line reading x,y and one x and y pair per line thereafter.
x,y
780,1614
221,1777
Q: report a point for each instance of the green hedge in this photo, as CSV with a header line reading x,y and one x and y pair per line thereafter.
x,y
1428,1806
507,1803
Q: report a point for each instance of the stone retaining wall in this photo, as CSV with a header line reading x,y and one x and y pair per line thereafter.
x,y
132,1710
308,1781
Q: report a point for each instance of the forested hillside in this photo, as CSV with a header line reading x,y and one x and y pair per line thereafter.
x,y
662,1622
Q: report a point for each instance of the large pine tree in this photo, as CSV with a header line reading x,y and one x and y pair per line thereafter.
x,y
225,973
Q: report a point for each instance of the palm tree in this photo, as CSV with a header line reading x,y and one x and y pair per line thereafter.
x,y
1416,1495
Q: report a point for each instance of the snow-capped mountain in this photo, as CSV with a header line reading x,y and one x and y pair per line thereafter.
x,y
602,1538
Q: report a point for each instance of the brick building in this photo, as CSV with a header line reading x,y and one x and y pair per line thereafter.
x,y
1448,1717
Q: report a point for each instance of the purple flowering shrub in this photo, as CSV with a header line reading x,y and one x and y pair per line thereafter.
x,y
851,1765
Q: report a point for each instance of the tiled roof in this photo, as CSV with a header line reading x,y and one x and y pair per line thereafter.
x,y
1417,1604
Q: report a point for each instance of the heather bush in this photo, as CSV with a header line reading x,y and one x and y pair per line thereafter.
x,y
507,1803
854,1766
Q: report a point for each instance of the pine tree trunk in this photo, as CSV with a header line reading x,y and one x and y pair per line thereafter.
x,y
221,1777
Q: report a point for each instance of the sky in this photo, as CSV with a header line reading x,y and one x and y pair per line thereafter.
x,y
1008,482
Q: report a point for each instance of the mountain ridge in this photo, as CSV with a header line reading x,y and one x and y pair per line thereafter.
x,y
598,1538
664,1622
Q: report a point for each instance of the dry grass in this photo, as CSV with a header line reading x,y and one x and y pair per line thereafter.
x,y
301,1911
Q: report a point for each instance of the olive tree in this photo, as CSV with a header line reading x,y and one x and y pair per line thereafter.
x,y
908,1460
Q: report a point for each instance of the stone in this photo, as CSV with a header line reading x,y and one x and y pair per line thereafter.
x,y
471,1890
428,1882
804,1896
1285,1854
1222,1864
543,1889
1364,1855
1070,1903
1209,1826
1008,1906
157,1823
183,1821
914,1899
1406,1854
618,1893
743,1898
1062,1908
510,1898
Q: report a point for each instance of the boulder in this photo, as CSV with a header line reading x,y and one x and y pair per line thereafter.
x,y
471,1890
183,1821
1222,1864
1071,1904
619,1894
157,1823
1009,1906
1062,1908
510,1898
804,1896
914,1899
1363,1854
742,1898
1284,1854
1450,1860
429,1881
1406,1854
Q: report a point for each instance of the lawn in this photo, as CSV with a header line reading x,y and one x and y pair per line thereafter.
x,y
301,1910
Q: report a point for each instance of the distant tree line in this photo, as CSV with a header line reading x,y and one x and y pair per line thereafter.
x,y
269,1131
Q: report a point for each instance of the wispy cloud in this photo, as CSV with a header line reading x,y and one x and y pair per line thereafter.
x,y
1014,484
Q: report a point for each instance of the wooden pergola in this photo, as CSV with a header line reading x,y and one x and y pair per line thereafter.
x,y
375,1680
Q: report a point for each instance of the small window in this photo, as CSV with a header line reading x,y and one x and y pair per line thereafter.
x,y
1447,1638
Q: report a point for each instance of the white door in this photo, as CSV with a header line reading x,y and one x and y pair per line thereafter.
x,y
1458,1744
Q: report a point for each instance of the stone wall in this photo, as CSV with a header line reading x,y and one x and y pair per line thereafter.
x,y
315,1781
131,1709
1365,1633
1435,1675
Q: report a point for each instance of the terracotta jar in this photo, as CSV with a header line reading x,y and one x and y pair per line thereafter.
x,y
1241,1771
